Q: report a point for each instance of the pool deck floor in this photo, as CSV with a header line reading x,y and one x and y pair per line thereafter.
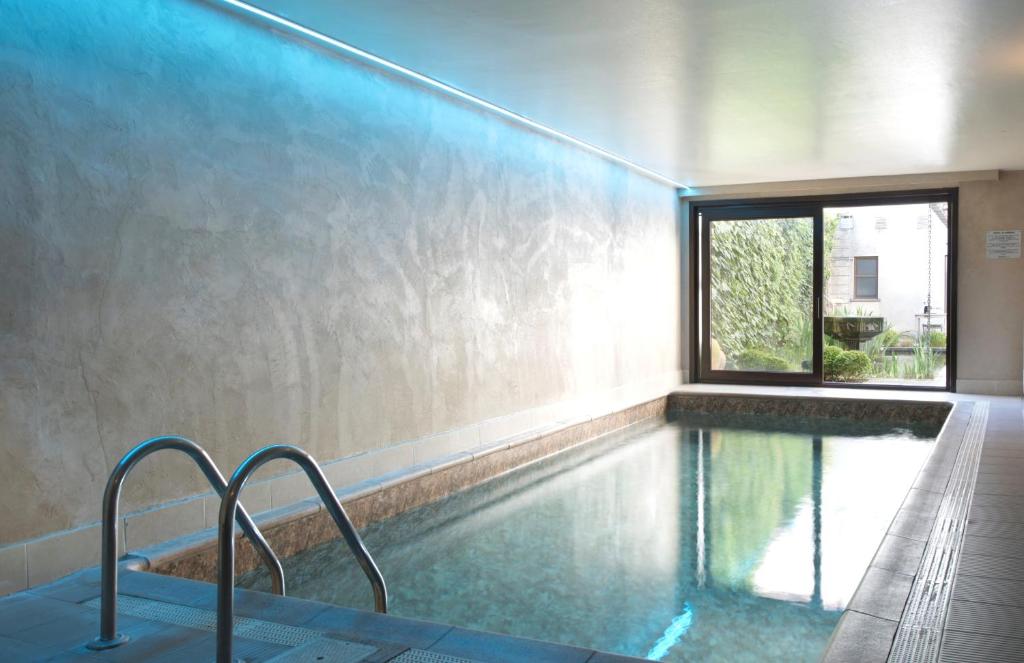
x,y
171,619
986,617
53,623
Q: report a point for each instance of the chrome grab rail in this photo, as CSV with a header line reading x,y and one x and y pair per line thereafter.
x,y
226,538
109,637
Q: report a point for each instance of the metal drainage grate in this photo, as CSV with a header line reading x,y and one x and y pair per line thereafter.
x,y
919,634
326,649
168,613
279,634
244,627
424,656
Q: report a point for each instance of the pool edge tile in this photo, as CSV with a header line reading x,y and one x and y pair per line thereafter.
x,y
860,638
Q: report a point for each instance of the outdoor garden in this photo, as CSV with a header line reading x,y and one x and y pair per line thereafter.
x,y
761,302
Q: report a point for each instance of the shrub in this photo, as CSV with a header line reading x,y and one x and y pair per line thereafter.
x,y
845,365
889,338
831,356
937,339
760,360
854,365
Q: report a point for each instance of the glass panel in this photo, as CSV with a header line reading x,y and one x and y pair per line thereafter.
x,y
900,337
867,287
762,282
867,266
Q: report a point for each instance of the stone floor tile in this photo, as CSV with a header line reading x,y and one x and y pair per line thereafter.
x,y
882,593
899,554
860,638
500,649
358,625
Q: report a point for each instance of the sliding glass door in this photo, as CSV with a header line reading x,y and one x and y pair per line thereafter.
x,y
761,281
886,292
856,290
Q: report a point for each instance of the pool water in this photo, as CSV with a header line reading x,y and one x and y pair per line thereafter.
x,y
705,538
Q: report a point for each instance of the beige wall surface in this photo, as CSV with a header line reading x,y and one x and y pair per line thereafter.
x,y
990,292
214,230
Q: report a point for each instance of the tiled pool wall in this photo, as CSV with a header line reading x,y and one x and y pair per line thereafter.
x,y
305,525
927,413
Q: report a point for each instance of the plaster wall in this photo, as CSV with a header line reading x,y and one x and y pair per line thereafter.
x,y
991,292
212,229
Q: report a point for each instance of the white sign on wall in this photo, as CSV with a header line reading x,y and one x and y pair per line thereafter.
x,y
1002,244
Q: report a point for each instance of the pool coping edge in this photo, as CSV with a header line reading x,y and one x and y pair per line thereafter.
x,y
868,627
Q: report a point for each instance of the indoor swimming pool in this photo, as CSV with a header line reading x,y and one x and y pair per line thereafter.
x,y
704,537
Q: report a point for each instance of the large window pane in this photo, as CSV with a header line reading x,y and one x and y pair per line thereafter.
x,y
761,295
885,294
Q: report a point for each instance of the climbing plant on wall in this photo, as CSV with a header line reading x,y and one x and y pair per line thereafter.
x,y
762,288
762,285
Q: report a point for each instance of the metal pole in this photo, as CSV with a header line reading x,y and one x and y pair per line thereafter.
x,y
226,537
109,637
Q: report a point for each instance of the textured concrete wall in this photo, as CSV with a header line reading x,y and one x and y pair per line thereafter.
x,y
212,229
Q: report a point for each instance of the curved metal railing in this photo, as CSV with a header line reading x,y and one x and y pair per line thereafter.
x,y
226,538
109,637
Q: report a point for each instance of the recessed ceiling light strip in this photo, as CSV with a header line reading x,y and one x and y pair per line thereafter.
x,y
444,87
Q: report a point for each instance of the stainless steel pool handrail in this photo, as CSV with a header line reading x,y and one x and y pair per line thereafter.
x,y
109,637
226,537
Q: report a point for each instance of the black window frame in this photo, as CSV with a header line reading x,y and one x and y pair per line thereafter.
x,y
695,253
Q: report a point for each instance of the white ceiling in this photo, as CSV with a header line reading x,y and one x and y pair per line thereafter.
x,y
725,91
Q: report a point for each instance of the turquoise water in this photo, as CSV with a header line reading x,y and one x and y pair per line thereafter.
x,y
702,538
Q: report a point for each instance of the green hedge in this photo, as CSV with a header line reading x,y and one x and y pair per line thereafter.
x,y
845,365
760,360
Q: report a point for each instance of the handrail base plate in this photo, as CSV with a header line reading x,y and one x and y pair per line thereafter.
x,y
100,644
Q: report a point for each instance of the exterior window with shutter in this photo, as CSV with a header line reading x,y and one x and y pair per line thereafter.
x,y
865,277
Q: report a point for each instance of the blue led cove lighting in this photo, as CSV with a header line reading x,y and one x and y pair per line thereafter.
x,y
444,87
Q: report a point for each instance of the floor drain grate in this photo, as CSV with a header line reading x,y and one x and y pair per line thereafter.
x,y
919,635
168,613
424,656
279,634
245,627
